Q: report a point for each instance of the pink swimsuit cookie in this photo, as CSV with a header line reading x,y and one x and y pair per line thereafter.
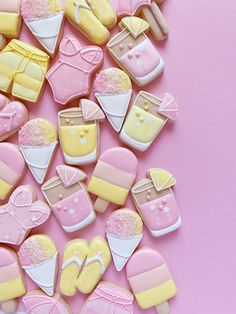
x,y
76,63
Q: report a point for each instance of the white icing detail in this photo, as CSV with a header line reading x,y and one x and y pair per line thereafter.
x,y
91,217
96,258
133,143
72,133
149,120
166,210
74,259
77,8
167,230
149,77
83,140
153,207
83,160
71,211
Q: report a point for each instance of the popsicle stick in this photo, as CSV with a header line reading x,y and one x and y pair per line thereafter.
x,y
101,205
163,308
9,306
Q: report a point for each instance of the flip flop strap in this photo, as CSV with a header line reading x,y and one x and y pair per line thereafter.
x,y
96,258
73,259
79,6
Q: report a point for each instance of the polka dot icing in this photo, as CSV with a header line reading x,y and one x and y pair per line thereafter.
x,y
39,9
124,223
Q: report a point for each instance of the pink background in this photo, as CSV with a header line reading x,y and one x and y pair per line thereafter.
x,y
199,150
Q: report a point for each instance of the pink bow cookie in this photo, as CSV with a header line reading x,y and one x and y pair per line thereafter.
x,y
21,214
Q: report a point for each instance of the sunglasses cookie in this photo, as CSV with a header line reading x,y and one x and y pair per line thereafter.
x,y
69,199
156,202
79,133
146,119
10,18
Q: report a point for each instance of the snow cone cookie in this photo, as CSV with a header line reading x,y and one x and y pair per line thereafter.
x,y
124,230
10,18
13,115
38,142
2,42
113,90
12,283
12,168
156,202
77,63
39,258
21,214
134,52
36,302
79,133
146,119
45,20
109,298
113,177
69,199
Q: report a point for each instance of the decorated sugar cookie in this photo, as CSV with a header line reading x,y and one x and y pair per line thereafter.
x,y
69,199
83,265
79,132
45,20
156,202
38,142
113,90
10,18
146,119
39,258
124,231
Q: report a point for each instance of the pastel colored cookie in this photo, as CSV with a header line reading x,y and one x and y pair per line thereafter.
x,y
2,42
13,115
10,18
113,90
146,119
21,214
38,142
37,302
151,282
92,18
22,70
132,50
77,63
45,19
124,231
12,283
68,197
39,258
108,298
113,177
12,168
79,133
83,265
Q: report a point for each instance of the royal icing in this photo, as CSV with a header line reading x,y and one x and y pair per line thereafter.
x,y
2,42
91,111
10,19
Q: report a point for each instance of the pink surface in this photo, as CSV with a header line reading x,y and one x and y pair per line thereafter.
x,y
199,149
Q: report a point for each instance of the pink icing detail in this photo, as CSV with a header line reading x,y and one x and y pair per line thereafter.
x,y
3,101
135,265
75,63
147,61
168,107
91,111
157,216
11,156
38,304
70,175
8,175
12,6
9,272
6,257
37,9
130,7
20,215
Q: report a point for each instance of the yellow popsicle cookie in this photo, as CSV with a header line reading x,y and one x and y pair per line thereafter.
x,y
10,18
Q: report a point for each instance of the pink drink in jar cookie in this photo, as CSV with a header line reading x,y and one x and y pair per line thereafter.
x,y
134,52
146,119
156,202
45,20
76,63
79,132
12,168
69,199
39,258
10,18
12,282
113,177
108,298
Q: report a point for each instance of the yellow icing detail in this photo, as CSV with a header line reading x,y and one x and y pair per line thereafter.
x,y
78,140
12,289
107,191
135,25
55,6
5,189
156,295
139,224
10,24
92,273
47,244
50,133
85,20
142,126
69,275
126,84
103,11
161,178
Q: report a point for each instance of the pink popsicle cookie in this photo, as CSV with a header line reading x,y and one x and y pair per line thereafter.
x,y
39,258
151,282
108,298
13,115
10,18
124,231
68,197
113,177
12,168
77,63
